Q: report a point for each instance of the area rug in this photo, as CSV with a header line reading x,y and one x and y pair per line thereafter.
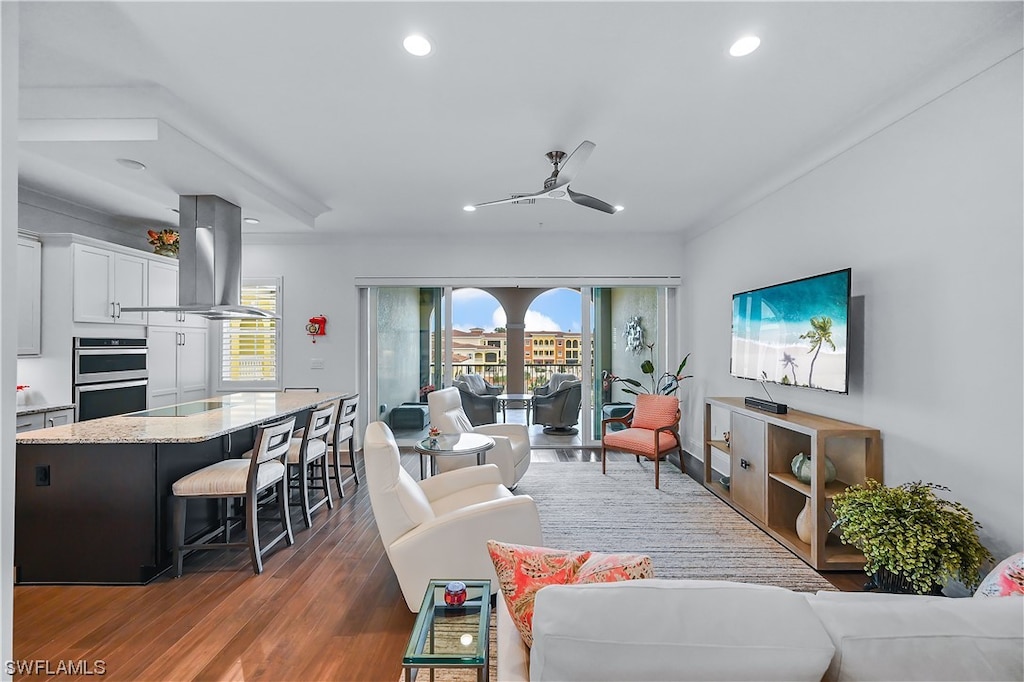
x,y
686,530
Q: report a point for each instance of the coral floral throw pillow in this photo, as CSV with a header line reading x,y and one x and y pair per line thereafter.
x,y
1006,579
522,570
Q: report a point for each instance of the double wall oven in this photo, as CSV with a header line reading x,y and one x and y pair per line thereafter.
x,y
110,377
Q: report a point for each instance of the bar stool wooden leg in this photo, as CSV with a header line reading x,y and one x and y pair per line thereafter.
x,y
282,508
336,465
325,480
307,517
179,533
352,458
252,528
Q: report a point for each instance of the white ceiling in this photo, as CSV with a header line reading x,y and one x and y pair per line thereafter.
x,y
313,118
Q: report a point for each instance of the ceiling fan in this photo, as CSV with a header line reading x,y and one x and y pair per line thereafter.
x,y
556,186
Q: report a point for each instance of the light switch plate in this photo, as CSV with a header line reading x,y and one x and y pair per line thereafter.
x,y
316,363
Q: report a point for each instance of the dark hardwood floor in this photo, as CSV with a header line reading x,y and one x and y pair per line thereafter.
x,y
329,607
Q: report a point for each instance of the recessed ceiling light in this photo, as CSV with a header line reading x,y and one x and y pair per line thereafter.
x,y
469,208
744,46
417,45
132,163
251,221
620,208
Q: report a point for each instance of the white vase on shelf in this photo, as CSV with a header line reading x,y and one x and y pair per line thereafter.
x,y
803,523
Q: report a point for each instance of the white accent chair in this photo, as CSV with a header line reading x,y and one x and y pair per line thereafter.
x,y
511,451
439,528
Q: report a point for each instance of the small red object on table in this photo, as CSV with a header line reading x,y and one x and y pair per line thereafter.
x,y
455,593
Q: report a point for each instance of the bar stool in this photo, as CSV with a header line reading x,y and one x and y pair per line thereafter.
x,y
344,430
311,451
238,478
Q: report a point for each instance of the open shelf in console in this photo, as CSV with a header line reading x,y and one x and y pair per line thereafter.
x,y
766,491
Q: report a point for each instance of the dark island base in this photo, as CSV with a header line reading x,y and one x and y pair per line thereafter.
x,y
100,513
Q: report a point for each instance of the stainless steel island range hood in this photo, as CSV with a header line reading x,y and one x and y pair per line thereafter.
x,y
209,261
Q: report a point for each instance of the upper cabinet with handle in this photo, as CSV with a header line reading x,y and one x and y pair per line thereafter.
x,y
29,296
105,281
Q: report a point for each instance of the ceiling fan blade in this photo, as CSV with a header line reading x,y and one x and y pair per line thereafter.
x,y
589,201
522,197
575,162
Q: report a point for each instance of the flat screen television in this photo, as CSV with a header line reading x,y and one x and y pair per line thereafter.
x,y
794,333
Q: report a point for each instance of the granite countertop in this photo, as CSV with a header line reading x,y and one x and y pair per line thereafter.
x,y
24,410
231,413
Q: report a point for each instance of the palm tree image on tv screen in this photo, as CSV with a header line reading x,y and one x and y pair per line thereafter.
x,y
794,333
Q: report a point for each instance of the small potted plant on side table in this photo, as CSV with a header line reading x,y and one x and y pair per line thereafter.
x,y
913,541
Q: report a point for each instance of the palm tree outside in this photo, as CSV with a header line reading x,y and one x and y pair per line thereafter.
x,y
819,333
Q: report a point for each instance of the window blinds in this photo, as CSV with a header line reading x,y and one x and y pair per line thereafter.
x,y
249,347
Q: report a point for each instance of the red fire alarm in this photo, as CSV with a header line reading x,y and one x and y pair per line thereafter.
x,y
317,326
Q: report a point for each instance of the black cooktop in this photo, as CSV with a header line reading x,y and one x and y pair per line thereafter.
x,y
184,410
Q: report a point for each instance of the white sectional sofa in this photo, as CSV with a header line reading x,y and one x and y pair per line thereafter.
x,y
717,630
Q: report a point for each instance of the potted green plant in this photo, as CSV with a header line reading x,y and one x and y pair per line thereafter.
x,y
913,540
665,383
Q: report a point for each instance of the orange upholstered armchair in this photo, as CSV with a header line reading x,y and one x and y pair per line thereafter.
x,y
651,431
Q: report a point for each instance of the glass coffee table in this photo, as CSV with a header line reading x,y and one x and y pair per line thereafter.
x,y
451,445
525,398
451,637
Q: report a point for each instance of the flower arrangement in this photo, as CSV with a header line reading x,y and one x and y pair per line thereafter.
x,y
665,383
22,387
912,533
433,432
424,390
164,242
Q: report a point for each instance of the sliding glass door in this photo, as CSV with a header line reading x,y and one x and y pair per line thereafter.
x,y
421,338
629,325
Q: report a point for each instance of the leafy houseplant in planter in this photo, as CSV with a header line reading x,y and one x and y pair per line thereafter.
x,y
913,540
665,383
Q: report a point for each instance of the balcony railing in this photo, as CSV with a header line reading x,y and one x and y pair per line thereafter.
x,y
533,375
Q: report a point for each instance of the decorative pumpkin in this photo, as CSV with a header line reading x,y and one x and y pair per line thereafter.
x,y
803,465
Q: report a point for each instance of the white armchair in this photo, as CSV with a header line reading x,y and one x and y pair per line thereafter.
x,y
439,528
511,451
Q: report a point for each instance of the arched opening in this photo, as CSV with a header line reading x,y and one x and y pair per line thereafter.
x,y
479,340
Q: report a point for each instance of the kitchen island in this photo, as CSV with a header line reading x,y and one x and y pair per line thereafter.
x,y
92,500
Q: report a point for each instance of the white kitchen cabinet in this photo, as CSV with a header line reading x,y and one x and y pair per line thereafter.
x,y
162,283
58,418
178,365
29,422
44,420
30,296
193,364
163,291
105,281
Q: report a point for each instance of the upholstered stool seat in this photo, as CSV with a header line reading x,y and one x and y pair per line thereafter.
x,y
314,450
227,477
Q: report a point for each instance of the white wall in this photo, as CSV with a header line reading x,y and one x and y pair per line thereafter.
x,y
319,277
928,214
